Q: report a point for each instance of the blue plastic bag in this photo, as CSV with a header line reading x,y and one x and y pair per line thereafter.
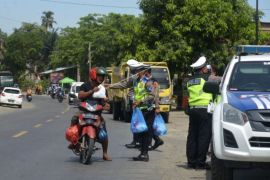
x,y
137,124
159,126
102,135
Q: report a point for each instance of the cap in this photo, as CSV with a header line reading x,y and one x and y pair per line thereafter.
x,y
133,63
201,62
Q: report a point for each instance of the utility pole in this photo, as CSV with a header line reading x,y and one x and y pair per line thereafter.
x,y
89,55
257,23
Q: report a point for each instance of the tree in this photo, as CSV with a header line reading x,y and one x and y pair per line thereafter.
x,y
47,20
3,37
180,31
24,48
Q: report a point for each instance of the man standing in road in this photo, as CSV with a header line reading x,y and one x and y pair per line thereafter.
x,y
146,97
200,123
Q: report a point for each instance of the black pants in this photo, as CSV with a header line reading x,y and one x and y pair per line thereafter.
x,y
149,117
199,136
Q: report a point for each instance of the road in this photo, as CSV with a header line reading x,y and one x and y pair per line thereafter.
x,y
33,146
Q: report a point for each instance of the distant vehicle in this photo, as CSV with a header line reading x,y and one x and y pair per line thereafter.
x,y
74,91
6,79
11,96
121,99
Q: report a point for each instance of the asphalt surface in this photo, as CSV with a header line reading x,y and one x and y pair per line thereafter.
x,y
33,146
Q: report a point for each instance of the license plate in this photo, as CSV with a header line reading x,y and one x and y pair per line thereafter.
x,y
10,100
90,116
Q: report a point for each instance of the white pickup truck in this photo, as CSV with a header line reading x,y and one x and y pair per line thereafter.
x,y
241,119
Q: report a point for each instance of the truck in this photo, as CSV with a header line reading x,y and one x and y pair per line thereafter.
x,y
241,117
121,99
6,79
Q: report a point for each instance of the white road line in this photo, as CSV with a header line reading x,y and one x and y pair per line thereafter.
x,y
49,120
20,134
37,125
57,116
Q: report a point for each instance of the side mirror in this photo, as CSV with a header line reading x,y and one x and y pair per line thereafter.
x,y
211,87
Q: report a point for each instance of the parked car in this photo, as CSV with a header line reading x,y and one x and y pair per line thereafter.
x,y
74,91
241,118
11,96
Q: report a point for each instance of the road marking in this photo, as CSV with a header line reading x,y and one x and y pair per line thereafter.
x,y
37,125
49,120
20,134
57,116
63,112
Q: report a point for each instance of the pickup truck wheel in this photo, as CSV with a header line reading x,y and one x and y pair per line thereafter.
x,y
219,170
127,116
116,110
165,116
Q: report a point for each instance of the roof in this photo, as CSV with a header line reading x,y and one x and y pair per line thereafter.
x,y
55,70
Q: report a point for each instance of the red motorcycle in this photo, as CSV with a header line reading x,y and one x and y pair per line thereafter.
x,y
87,131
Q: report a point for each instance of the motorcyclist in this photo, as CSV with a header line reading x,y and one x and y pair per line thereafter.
x,y
29,91
96,77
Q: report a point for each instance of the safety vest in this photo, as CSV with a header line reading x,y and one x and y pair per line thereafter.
x,y
197,97
140,92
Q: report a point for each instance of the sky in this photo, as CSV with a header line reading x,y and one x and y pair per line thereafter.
x,y
68,12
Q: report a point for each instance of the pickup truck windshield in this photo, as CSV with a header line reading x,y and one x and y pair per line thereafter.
x,y
250,76
162,76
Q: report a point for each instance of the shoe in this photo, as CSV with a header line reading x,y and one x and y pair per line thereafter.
x,y
157,144
141,157
205,166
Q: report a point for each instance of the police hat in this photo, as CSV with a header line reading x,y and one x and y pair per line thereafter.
x,y
138,66
201,62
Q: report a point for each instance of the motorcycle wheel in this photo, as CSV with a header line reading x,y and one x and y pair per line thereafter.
x,y
60,99
88,150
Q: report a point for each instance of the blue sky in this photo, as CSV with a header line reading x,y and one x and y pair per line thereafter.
x,y
14,12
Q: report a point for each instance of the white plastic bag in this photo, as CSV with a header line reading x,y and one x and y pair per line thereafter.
x,y
101,93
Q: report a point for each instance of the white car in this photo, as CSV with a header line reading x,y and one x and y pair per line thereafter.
x,y
241,120
11,96
74,91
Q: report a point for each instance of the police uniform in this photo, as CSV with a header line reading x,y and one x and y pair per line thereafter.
x,y
200,123
146,92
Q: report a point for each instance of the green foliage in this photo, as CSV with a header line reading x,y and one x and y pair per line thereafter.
x,y
26,83
180,31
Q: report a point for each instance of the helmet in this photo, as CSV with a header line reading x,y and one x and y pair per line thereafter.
x,y
97,71
101,71
72,134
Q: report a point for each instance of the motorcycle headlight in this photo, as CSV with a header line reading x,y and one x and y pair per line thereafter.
x,y
233,115
165,100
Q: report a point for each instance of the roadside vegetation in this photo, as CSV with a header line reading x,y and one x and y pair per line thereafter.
x,y
173,31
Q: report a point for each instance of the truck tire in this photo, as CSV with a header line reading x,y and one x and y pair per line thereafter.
x,y
165,116
219,170
127,116
116,110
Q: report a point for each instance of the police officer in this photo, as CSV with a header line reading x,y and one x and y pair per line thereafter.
x,y
200,123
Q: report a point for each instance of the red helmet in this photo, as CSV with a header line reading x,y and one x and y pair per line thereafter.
x,y
97,71
93,74
72,134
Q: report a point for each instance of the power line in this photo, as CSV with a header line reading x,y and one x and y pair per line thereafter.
x,y
87,4
10,19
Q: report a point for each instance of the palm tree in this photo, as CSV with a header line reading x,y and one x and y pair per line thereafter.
x,y
47,20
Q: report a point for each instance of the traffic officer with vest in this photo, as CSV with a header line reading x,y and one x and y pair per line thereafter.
x,y
146,97
200,123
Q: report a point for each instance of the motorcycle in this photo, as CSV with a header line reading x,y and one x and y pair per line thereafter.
x,y
60,96
29,97
53,93
87,131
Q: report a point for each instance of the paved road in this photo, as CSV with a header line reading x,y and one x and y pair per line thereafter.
x,y
33,146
